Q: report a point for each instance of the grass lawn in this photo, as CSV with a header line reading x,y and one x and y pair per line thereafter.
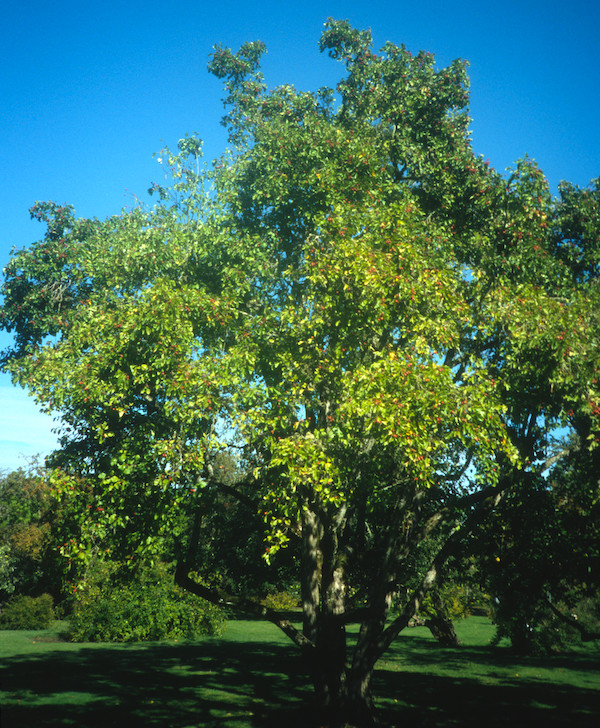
x,y
251,677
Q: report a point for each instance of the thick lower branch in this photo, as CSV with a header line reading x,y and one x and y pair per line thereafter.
x,y
585,634
241,604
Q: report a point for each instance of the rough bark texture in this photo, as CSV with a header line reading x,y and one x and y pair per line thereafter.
x,y
440,624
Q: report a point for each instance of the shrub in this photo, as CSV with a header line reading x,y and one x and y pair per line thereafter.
x,y
463,600
281,601
22,612
150,607
459,601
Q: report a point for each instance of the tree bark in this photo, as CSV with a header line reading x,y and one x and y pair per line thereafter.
x,y
310,589
324,604
440,624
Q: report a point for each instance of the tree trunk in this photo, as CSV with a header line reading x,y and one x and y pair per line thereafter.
x,y
330,672
359,708
439,622
310,587
443,631
346,702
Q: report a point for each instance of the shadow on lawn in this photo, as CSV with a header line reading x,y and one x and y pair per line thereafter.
x,y
242,684
210,683
476,689
425,652
426,701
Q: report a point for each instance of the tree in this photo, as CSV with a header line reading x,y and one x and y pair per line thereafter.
x,y
540,559
28,515
379,328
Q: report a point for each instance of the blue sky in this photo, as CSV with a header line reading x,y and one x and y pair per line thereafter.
x,y
89,91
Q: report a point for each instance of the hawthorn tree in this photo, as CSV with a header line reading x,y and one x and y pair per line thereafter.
x,y
381,330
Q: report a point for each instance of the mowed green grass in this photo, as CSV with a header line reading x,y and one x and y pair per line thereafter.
x,y
252,677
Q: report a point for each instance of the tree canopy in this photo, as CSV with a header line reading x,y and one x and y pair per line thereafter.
x,y
384,333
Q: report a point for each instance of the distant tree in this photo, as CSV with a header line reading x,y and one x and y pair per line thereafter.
x,y
28,564
540,558
379,328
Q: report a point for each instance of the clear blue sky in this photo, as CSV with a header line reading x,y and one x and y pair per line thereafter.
x,y
89,91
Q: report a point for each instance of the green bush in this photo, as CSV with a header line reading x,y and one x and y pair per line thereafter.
x,y
464,600
281,601
150,607
22,612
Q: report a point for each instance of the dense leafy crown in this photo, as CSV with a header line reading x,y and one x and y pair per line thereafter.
x,y
362,310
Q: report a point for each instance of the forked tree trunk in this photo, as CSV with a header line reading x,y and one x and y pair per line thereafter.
x,y
342,694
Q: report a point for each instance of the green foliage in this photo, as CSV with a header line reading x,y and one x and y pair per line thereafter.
x,y
7,570
587,610
24,612
461,600
382,332
22,498
282,601
29,520
540,549
109,608
533,628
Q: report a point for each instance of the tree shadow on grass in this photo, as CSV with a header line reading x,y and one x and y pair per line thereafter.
x,y
209,683
471,686
423,651
254,684
426,701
